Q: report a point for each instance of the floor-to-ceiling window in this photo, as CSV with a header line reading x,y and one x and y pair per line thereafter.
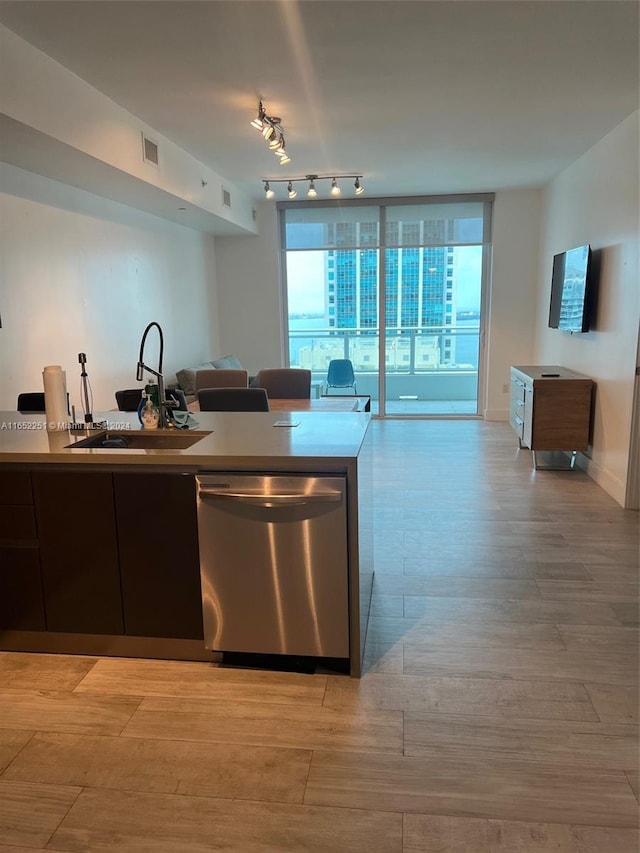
x,y
392,283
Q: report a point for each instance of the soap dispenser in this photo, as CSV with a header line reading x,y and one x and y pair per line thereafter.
x,y
150,413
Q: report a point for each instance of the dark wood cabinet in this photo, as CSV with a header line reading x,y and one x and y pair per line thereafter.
x,y
158,550
92,552
15,488
550,408
76,523
17,522
21,602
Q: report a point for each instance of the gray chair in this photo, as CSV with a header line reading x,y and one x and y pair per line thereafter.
x,y
221,378
284,383
233,400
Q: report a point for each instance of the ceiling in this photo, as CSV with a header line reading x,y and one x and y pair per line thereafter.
x,y
418,97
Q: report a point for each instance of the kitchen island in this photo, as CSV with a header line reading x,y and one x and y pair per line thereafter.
x,y
99,546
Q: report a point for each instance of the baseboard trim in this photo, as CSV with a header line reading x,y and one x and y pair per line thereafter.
x,y
496,414
605,479
104,645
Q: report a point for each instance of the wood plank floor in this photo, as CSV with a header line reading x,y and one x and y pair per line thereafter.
x,y
498,712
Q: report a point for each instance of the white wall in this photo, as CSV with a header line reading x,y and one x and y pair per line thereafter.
x,y
512,298
83,274
249,298
595,201
43,95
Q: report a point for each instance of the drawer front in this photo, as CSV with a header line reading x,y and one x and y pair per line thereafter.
x,y
517,389
21,605
516,406
15,487
517,422
17,522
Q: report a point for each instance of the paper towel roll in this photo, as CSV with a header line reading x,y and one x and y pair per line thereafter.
x,y
55,396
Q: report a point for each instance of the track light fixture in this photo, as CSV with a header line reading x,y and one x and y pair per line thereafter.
x,y
258,121
312,192
272,131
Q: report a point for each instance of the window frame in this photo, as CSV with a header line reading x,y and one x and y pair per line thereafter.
x,y
383,203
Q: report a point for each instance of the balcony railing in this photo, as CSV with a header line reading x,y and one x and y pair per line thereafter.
x,y
438,363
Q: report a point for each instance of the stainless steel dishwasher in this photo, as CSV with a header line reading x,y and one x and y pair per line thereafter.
x,y
273,564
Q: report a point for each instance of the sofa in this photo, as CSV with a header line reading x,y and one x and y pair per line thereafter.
x,y
186,377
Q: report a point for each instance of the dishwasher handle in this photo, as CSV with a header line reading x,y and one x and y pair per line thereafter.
x,y
299,499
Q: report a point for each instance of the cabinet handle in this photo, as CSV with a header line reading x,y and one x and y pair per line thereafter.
x,y
270,500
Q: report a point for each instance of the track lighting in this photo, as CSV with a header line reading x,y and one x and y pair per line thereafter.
x,y
268,192
259,119
281,152
271,129
312,192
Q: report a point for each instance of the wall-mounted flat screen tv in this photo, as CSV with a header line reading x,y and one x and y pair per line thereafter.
x,y
571,283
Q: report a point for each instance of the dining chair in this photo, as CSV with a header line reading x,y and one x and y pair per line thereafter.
x,y
221,377
33,403
340,374
284,383
128,399
233,400
178,395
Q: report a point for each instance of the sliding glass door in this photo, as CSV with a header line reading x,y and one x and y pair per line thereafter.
x,y
433,295
414,270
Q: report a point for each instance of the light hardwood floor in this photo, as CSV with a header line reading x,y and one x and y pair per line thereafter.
x,y
498,712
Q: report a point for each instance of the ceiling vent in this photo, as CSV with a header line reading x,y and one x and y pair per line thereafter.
x,y
149,150
226,197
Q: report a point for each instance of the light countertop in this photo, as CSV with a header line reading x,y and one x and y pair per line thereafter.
x,y
236,439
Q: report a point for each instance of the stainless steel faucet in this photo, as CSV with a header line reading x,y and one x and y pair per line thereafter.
x,y
163,404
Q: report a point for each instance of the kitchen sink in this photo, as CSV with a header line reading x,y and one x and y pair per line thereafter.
x,y
140,440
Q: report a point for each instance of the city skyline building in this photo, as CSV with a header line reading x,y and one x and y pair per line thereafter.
x,y
420,293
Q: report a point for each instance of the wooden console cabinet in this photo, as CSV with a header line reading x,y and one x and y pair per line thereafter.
x,y
550,408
